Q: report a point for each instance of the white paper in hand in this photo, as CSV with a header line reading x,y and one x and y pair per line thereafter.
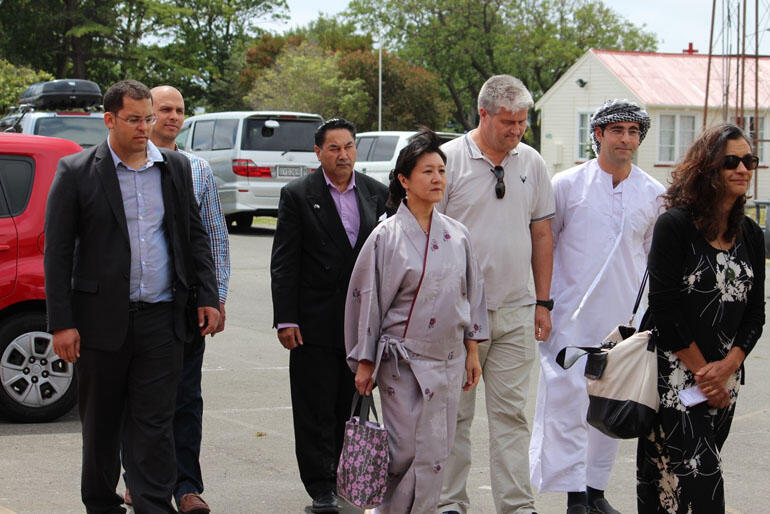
x,y
691,396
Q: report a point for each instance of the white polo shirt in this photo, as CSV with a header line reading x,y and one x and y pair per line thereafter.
x,y
499,228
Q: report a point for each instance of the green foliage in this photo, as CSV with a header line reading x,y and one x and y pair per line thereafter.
x,y
410,95
307,79
14,80
333,35
187,43
466,41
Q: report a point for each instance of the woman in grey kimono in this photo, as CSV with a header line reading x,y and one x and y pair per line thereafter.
x,y
414,315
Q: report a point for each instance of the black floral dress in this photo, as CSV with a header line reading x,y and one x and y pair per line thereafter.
x,y
715,298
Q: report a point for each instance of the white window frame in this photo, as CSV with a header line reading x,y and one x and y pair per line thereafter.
x,y
679,148
578,156
760,150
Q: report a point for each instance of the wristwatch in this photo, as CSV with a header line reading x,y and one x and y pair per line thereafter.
x,y
548,304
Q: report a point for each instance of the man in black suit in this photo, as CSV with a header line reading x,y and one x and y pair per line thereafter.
x,y
129,278
323,220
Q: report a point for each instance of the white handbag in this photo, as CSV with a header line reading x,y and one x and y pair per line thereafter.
x,y
622,379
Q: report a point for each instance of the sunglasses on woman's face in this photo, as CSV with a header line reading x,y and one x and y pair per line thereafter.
x,y
749,160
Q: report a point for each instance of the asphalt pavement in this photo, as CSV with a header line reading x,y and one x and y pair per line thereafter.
x,y
248,445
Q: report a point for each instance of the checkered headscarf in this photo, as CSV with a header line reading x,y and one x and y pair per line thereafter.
x,y
614,111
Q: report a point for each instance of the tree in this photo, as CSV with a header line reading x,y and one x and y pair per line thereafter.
x,y
187,43
332,35
14,80
466,41
305,78
411,95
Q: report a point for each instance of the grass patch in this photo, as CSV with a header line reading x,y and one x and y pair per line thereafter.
x,y
264,221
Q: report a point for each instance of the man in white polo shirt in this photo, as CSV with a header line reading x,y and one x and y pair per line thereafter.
x,y
499,188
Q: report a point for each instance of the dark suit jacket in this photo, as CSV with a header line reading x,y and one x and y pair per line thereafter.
x,y
88,255
312,258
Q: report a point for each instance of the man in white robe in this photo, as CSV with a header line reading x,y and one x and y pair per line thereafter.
x,y
605,212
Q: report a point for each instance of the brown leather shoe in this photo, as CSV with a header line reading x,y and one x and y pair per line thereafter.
x,y
127,498
192,503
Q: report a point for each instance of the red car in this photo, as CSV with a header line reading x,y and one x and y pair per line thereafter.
x,y
35,384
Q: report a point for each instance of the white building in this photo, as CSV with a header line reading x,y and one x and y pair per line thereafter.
x,y
671,87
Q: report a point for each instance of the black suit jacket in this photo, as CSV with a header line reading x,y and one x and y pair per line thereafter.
x,y
312,258
88,254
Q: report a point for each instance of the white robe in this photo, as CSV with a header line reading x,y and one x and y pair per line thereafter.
x,y
601,239
419,367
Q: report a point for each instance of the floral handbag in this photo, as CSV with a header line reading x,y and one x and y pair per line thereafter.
x,y
363,468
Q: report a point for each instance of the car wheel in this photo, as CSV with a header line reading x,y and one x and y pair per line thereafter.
x,y
35,384
243,220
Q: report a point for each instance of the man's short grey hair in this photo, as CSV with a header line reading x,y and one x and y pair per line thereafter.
x,y
504,91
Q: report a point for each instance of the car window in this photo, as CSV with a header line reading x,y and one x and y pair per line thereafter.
x,y
16,174
84,130
202,135
182,138
290,135
8,122
224,134
363,145
384,148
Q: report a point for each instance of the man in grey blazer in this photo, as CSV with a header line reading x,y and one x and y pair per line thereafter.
x,y
323,220
129,278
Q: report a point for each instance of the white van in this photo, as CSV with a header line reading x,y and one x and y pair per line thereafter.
x,y
253,155
378,151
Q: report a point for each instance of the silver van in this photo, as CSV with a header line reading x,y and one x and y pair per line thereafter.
x,y
253,155
378,151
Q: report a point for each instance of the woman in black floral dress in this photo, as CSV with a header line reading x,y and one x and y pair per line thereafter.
x,y
707,273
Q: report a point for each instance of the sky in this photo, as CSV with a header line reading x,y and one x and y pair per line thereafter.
x,y
675,22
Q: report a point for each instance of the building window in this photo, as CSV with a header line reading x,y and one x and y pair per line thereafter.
x,y
676,133
585,151
749,130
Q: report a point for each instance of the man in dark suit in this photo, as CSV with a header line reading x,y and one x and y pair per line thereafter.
x,y
128,275
323,220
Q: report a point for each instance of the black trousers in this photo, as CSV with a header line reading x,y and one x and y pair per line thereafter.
x,y
321,393
188,421
133,390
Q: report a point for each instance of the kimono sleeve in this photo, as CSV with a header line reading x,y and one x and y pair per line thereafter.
x,y
478,328
362,307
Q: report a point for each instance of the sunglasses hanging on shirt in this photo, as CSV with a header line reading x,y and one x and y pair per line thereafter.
x,y
500,185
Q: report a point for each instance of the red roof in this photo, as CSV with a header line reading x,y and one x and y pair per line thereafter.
x,y
680,79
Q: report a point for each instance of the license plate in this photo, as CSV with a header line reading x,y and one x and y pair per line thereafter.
x,y
290,171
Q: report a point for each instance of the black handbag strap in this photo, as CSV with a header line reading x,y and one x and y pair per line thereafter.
x,y
639,296
367,404
560,357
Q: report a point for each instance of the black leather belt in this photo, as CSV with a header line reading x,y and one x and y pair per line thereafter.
x,y
140,306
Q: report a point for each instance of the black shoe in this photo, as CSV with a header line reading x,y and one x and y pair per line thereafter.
x,y
578,508
601,506
450,512
326,502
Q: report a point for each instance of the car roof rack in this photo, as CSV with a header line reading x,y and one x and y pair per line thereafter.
x,y
62,94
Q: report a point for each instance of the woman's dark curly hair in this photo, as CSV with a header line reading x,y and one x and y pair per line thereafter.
x,y
425,141
697,184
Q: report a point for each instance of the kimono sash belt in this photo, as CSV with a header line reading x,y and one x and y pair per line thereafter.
x,y
398,346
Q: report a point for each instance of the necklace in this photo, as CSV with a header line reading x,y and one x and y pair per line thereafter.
x,y
729,271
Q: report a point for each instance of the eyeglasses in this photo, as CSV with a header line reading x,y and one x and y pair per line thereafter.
x,y
134,121
749,160
500,185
